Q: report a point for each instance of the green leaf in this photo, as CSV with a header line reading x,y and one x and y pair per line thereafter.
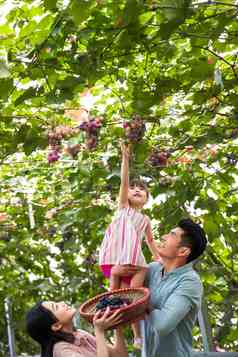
x,y
29,93
145,17
80,10
6,85
131,12
4,70
28,29
6,32
50,4
211,228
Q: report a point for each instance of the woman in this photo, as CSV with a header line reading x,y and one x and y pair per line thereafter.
x,y
50,324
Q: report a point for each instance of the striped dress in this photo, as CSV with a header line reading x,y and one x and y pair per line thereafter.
x,y
123,239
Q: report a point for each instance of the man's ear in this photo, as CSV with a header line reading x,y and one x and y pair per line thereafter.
x,y
56,326
185,251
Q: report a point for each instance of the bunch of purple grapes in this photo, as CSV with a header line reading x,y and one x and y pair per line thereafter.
x,y
53,156
134,129
114,302
55,138
92,128
158,158
60,132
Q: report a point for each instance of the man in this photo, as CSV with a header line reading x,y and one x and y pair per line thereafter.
x,y
176,291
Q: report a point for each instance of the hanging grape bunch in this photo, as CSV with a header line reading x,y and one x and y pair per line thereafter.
x,y
55,138
158,158
91,128
53,156
134,129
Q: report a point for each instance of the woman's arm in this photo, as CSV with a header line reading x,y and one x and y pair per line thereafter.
x,y
119,349
102,348
101,324
124,187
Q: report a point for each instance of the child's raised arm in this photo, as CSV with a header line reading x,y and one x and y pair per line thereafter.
x,y
123,193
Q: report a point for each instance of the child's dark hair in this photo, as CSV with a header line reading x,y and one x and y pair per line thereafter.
x,y
141,184
194,237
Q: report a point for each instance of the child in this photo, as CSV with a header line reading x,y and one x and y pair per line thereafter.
x,y
123,238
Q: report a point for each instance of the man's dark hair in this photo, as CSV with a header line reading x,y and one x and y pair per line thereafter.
x,y
194,237
141,184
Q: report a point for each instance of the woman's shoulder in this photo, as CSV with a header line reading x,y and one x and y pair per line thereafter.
x,y
82,333
63,349
67,349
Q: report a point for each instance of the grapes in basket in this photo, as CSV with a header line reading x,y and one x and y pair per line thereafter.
x,y
114,302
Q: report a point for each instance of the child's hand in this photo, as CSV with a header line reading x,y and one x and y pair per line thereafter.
x,y
125,149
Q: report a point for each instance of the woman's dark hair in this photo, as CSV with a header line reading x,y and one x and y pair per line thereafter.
x,y
141,184
38,325
194,237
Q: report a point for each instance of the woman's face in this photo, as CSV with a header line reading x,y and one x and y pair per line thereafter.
x,y
61,311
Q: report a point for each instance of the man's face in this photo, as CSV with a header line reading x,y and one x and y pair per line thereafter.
x,y
170,244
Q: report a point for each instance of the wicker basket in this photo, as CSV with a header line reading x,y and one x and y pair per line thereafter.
x,y
132,312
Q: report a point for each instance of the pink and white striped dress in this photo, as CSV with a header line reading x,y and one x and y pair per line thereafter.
x,y
123,239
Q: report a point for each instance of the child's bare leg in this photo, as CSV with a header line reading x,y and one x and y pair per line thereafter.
x,y
114,282
137,281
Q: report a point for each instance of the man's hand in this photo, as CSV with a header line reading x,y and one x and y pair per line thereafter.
x,y
104,320
124,270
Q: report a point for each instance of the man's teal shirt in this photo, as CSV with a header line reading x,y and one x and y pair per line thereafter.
x,y
176,298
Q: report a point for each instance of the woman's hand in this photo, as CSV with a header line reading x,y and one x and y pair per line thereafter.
x,y
104,320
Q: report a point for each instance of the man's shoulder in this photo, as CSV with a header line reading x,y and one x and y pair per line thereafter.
x,y
190,282
155,266
191,273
